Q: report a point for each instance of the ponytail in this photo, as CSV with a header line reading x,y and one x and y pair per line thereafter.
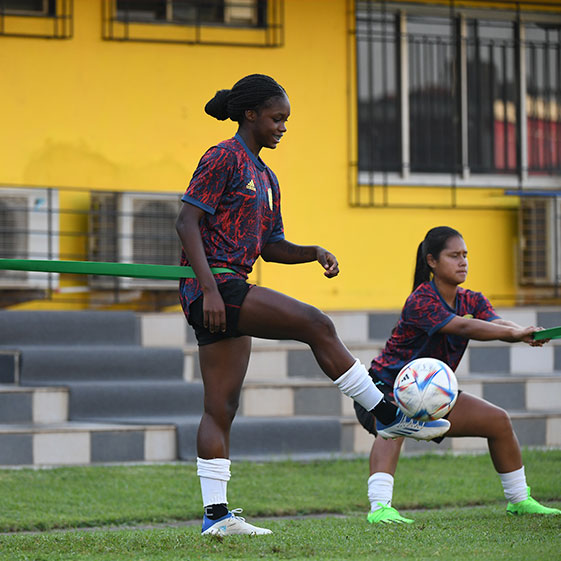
x,y
434,242
422,269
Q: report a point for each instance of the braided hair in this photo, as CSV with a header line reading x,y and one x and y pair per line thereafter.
x,y
434,242
251,92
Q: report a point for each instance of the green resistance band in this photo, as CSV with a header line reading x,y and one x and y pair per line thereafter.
x,y
550,333
136,270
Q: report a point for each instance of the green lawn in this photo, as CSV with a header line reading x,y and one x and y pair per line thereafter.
x,y
142,512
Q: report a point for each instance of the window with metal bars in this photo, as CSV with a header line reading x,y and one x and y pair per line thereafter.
x,y
492,96
433,94
379,117
543,100
458,92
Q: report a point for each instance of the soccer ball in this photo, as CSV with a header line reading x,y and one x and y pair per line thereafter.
x,y
425,389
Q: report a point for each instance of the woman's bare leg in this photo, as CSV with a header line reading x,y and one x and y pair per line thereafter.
x,y
223,369
385,455
473,416
269,314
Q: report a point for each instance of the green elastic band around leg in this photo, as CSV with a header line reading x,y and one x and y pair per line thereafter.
x,y
135,270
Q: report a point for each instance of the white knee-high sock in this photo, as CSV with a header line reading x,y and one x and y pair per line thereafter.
x,y
380,490
514,485
357,384
214,475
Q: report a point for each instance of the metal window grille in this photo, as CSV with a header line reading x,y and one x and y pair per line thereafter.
x,y
433,94
379,117
458,91
493,96
543,68
540,236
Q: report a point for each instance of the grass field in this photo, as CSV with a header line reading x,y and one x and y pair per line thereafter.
x,y
152,512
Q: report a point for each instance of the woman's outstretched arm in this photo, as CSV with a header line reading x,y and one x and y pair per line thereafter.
x,y
284,251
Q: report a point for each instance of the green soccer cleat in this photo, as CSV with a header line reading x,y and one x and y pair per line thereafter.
x,y
530,506
387,515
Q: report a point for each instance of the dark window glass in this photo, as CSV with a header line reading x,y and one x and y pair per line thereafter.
x,y
543,101
379,128
141,10
185,11
433,94
492,97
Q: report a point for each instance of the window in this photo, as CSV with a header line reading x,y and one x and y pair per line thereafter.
x,y
48,19
379,145
433,94
231,22
250,13
492,96
469,97
543,97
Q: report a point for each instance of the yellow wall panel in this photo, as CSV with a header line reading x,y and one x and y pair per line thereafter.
x,y
95,114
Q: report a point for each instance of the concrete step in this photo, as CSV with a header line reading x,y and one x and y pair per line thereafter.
x,y
125,400
33,405
365,333
58,364
265,437
533,429
9,366
312,423
73,443
279,360
321,398
69,328
139,399
171,329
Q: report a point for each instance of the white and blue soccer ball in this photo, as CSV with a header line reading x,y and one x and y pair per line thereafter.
x,y
426,389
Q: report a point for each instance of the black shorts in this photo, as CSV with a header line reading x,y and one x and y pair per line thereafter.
x,y
233,293
367,419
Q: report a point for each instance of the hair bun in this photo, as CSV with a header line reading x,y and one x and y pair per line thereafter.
x,y
217,107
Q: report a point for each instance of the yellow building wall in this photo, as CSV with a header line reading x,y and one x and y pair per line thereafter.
x,y
97,114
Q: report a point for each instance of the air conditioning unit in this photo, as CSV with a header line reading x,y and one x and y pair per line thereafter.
x,y
134,228
540,241
29,229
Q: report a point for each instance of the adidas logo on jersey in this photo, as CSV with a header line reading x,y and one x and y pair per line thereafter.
x,y
250,186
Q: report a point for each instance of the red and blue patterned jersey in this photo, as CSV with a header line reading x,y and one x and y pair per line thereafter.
x,y
241,199
417,332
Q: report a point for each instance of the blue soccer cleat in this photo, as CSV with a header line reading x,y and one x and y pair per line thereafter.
x,y
419,430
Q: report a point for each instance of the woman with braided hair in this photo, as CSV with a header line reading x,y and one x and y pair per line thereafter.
x,y
231,216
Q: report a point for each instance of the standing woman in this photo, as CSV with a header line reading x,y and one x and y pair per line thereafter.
x,y
230,217
438,320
